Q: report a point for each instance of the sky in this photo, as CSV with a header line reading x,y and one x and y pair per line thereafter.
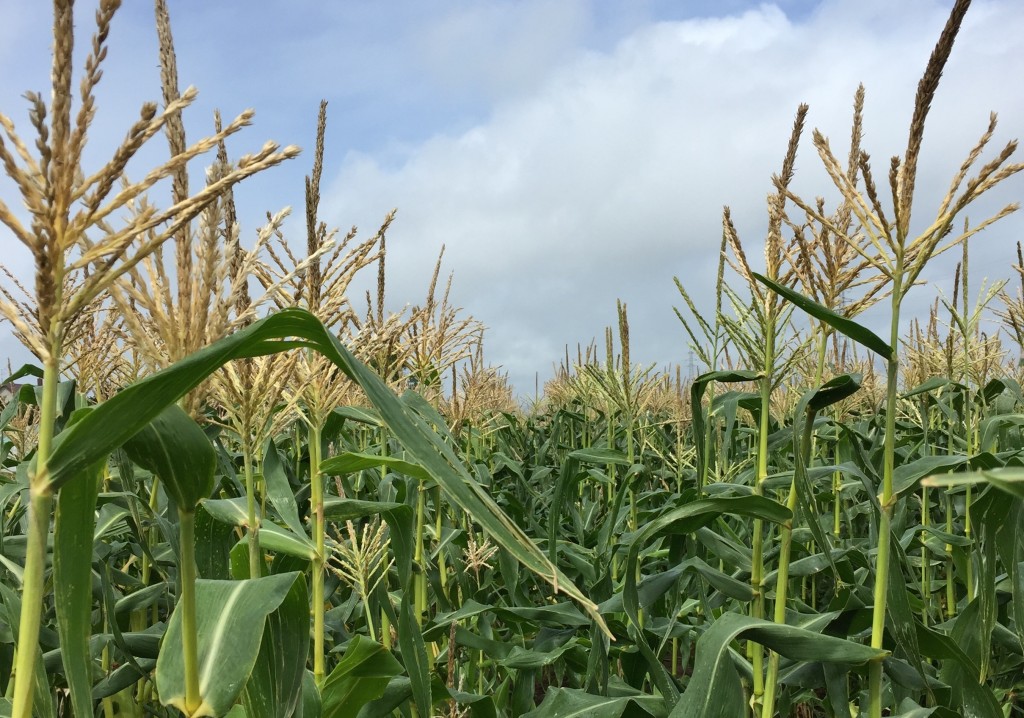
x,y
567,153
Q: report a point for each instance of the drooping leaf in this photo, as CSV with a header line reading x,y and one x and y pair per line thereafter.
x,y
272,536
714,690
683,520
174,448
1009,480
847,327
350,462
414,654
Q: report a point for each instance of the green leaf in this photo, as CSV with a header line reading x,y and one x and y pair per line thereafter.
x,y
42,703
961,674
697,389
1009,480
272,536
575,703
360,676
847,327
351,462
274,688
280,493
905,477
936,382
175,449
834,390
310,705
414,654
230,616
600,456
72,578
714,690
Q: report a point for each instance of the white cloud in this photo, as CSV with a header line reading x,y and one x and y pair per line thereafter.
x,y
565,154
610,177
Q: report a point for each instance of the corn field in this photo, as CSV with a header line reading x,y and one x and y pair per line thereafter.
x,y
230,488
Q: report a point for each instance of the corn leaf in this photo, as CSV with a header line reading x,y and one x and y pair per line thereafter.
x,y
714,690
175,449
230,617
72,579
274,688
360,676
847,327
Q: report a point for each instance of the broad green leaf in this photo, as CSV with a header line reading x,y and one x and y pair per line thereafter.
x,y
568,477
272,536
274,688
697,389
1009,479
175,449
992,426
714,690
123,677
479,706
309,706
936,382
834,390
214,540
72,578
602,456
280,493
351,462
905,477
687,519
440,623
42,703
360,676
414,654
109,519
575,703
847,327
358,413
230,616
520,658
143,598
961,674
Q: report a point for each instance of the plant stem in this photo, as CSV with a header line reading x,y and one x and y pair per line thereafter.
x,y
189,627
420,577
884,520
255,555
757,542
39,509
785,550
317,505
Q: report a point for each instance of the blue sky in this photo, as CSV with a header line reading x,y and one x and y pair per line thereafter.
x,y
567,152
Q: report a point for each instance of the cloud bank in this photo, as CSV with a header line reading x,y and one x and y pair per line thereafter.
x,y
565,153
